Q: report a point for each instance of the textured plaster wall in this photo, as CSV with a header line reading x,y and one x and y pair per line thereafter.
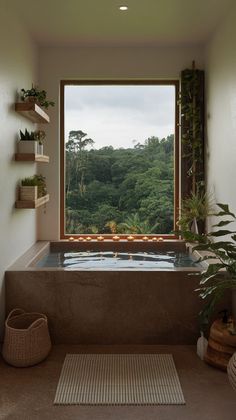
x,y
98,63
221,111
18,68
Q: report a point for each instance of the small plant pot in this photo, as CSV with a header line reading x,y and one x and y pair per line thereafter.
x,y
40,149
28,193
28,146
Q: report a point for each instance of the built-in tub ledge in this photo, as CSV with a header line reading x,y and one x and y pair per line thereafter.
x,y
29,259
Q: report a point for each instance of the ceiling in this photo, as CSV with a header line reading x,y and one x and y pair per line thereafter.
x,y
100,23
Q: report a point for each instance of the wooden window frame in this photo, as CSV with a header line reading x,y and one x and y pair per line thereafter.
x,y
157,82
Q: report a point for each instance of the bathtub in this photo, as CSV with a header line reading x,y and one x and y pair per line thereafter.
x,y
124,306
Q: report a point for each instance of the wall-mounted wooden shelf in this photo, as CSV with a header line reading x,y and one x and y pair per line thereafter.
x,y
20,204
32,111
31,157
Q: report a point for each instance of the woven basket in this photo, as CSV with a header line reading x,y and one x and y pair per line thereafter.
x,y
27,341
231,370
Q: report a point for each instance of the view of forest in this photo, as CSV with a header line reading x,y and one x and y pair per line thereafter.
x,y
119,190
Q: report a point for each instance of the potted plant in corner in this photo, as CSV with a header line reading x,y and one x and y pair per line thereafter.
x,y
220,274
194,211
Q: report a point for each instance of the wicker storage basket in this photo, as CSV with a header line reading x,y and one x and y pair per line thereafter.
x,y
27,341
231,369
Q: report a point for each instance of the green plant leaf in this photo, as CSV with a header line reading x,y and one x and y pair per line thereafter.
x,y
221,233
223,223
225,208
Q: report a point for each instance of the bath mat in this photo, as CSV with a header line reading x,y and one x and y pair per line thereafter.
x,y
119,379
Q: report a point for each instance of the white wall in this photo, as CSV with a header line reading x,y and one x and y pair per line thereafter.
x,y
221,111
98,63
17,69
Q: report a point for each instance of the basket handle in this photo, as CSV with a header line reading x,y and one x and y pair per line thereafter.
x,y
37,323
15,312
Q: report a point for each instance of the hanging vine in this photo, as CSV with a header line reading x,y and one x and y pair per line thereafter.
x,y
192,131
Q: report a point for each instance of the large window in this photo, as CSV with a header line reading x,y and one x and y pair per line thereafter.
x,y
119,158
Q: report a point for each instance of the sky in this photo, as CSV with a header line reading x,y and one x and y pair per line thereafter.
x,y
120,116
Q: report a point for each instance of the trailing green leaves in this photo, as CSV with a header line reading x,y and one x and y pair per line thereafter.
x,y
220,274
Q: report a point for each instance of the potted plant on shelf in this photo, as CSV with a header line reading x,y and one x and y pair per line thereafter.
x,y
31,142
29,189
32,188
41,184
40,135
36,95
27,143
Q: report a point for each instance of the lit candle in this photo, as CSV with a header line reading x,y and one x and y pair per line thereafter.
x,y
160,239
154,239
116,238
130,238
88,238
100,238
145,238
71,238
81,238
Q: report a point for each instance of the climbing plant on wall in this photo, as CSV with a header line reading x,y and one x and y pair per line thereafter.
x,y
192,131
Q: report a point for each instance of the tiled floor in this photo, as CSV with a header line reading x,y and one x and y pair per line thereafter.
x,y
27,394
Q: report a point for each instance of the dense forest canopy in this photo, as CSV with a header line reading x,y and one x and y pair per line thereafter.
x,y
124,190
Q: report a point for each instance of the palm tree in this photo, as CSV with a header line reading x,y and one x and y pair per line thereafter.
x,y
133,224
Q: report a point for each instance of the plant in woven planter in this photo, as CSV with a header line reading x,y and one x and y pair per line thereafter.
x,y
36,95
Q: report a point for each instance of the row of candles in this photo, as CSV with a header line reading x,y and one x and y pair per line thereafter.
x,y
116,238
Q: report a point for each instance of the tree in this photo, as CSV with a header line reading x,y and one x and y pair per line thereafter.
x,y
119,190
76,146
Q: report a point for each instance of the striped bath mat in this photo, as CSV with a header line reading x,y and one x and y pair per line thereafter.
x,y
119,379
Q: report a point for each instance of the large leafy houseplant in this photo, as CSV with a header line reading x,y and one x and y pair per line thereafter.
x,y
220,255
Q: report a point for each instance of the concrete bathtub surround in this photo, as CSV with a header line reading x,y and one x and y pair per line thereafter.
x,y
107,307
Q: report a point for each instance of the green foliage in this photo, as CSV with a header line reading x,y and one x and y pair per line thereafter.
x,y
192,126
133,224
106,187
29,182
220,273
36,180
198,206
27,135
40,96
38,135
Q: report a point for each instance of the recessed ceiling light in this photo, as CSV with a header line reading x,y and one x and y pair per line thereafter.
x,y
123,8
